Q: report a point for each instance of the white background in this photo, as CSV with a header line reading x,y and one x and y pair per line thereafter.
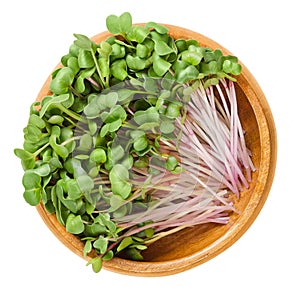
x,y
264,263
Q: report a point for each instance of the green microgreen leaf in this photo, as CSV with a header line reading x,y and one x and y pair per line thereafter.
x,y
59,149
117,51
108,256
74,224
83,42
98,156
119,25
181,45
104,49
36,121
110,127
119,178
87,248
192,56
134,254
56,119
85,183
101,244
33,189
116,153
85,143
149,115
119,69
85,59
125,22
231,67
162,48
142,51
42,170
127,162
116,201
142,162
159,28
187,74
171,163
115,113
140,143
160,65
52,102
62,81
127,241
135,62
149,232
104,220
96,263
72,63
91,110
27,159
74,191
107,100
211,81
137,34
104,66
173,110
135,134
167,127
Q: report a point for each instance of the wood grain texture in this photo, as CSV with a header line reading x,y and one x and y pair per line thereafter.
x,y
194,246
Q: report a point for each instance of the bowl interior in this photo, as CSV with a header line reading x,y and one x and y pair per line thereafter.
x,y
195,245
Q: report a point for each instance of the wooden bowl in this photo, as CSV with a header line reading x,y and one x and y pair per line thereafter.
x,y
194,246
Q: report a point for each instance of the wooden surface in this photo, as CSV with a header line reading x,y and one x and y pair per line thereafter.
x,y
193,246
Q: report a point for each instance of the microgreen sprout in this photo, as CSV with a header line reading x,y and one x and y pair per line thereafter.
x,y
139,138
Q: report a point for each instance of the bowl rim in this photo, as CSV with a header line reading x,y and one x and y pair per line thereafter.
x,y
268,139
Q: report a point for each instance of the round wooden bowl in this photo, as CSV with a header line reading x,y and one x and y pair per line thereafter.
x,y
194,246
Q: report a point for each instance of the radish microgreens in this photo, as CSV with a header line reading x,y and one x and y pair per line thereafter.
x,y
139,138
